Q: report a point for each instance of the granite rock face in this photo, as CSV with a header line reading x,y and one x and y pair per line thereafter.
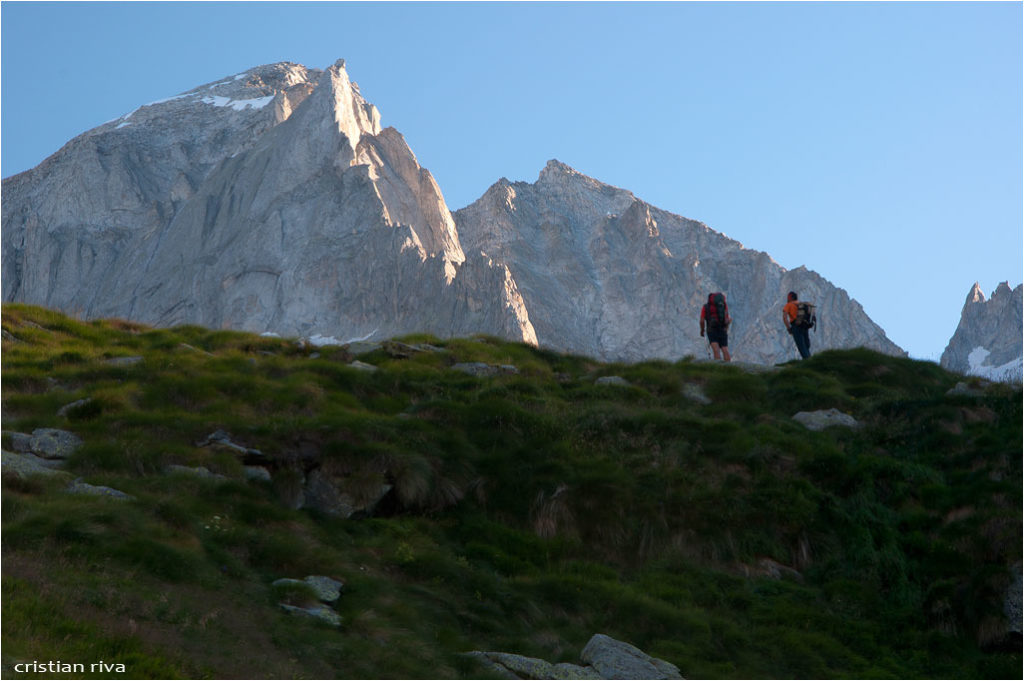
x,y
988,340
274,201
604,274
270,200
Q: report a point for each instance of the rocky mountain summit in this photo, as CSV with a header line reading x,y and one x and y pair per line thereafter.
x,y
274,200
988,340
611,276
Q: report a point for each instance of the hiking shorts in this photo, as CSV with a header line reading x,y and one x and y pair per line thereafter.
x,y
718,335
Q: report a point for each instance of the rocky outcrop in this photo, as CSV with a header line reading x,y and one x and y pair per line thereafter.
x,y
602,658
274,200
607,275
825,418
270,200
988,340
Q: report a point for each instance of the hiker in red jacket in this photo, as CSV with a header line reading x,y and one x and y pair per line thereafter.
x,y
715,315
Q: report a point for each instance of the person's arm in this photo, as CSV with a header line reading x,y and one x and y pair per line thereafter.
x,y
702,322
785,319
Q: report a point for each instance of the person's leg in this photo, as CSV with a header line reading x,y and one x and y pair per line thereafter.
x,y
725,350
800,336
716,350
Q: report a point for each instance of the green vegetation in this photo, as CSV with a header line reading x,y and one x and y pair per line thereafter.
x,y
528,510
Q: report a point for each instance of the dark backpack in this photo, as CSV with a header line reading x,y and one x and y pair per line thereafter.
x,y
717,310
805,316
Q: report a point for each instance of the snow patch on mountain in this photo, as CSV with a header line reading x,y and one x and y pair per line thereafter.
x,y
1011,371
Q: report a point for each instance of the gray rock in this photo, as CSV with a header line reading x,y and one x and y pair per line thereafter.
x,y
362,366
221,438
197,471
476,369
319,612
63,411
19,442
23,465
80,487
52,443
327,590
347,236
987,342
123,361
604,274
342,224
613,380
825,418
614,659
258,473
518,666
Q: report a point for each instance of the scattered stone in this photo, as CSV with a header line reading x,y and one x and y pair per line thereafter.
x,y
614,659
52,443
26,464
508,369
314,355
8,336
602,658
327,590
476,369
694,392
319,611
613,380
79,487
18,442
123,361
186,346
63,411
257,473
221,438
824,418
197,471
362,366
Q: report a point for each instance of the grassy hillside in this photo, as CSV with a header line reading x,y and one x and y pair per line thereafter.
x,y
527,510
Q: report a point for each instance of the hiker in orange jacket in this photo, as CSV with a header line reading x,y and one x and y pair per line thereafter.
x,y
801,333
717,322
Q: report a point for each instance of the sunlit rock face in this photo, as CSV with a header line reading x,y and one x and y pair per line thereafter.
x,y
274,201
604,274
987,342
268,200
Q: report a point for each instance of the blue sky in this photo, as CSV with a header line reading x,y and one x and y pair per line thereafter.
x,y
879,144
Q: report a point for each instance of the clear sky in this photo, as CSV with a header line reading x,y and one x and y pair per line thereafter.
x,y
879,144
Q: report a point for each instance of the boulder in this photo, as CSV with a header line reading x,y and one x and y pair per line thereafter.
x,y
327,589
79,487
51,443
825,418
362,366
602,658
63,411
25,464
257,473
614,659
476,369
613,380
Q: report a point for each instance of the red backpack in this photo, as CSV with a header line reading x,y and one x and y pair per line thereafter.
x,y
716,311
